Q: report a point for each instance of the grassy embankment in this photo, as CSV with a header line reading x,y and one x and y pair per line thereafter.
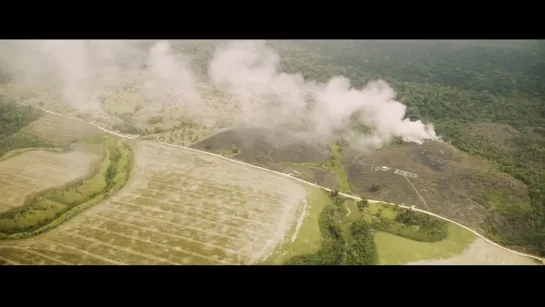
x,y
335,165
51,207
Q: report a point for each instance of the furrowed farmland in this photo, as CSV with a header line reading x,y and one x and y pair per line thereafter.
x,y
179,207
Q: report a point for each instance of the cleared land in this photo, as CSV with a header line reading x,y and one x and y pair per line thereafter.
x,y
179,207
60,130
453,184
398,250
305,236
49,208
32,171
480,252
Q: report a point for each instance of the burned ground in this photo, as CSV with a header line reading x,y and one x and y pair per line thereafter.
x,y
273,150
451,183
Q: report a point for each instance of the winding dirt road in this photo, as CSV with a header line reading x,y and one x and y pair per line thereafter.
x,y
307,183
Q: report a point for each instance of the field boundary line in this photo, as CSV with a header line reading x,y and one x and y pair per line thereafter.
x,y
303,181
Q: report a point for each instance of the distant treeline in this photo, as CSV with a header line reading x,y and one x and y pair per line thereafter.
x,y
14,117
454,84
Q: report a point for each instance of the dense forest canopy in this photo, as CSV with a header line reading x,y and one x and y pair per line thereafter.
x,y
456,85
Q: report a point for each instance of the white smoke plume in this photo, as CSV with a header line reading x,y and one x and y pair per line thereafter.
x,y
247,70
273,99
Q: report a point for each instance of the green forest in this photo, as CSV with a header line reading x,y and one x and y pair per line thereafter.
x,y
13,117
456,85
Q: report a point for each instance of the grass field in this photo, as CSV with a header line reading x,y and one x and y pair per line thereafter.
x,y
459,247
398,250
60,130
394,249
16,152
480,252
48,208
178,207
304,237
32,171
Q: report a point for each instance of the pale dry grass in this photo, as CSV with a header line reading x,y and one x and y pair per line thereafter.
x,y
61,130
480,252
37,170
179,207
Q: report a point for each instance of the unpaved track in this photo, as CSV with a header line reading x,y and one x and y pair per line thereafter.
x,y
348,212
309,183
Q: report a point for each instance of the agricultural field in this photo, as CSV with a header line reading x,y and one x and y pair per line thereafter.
x,y
47,208
36,170
60,130
179,207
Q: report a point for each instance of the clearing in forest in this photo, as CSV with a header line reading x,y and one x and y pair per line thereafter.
x,y
179,207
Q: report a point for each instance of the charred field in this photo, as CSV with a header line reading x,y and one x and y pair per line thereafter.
x,y
442,180
273,150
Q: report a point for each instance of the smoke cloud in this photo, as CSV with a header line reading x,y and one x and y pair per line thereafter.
x,y
246,72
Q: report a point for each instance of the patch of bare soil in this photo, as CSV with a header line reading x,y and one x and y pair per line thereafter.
x,y
480,252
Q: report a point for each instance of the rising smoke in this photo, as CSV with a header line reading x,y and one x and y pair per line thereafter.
x,y
247,70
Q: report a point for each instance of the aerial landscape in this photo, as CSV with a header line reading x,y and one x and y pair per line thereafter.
x,y
295,152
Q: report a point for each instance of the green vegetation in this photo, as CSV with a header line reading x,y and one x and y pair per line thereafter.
x,y
401,222
359,238
51,207
412,225
335,165
393,249
338,247
14,117
456,85
309,237
361,247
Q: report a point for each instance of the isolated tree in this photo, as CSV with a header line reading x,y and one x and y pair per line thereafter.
x,y
374,187
335,193
362,204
